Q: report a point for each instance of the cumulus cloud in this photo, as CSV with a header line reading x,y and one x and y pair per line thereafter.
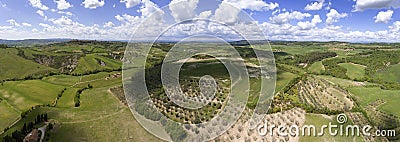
x,y
315,5
63,21
26,24
333,16
228,10
3,5
62,4
41,13
93,4
226,13
309,25
384,16
130,3
395,27
13,22
362,5
183,9
256,5
108,24
205,14
286,17
66,13
38,4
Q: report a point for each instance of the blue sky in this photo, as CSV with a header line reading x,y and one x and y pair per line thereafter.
x,y
321,20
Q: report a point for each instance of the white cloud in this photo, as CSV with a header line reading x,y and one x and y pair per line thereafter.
x,y
228,10
148,8
256,5
13,22
26,24
205,14
333,16
362,5
108,24
66,13
384,16
286,17
226,13
309,25
38,4
315,5
93,4
328,6
3,5
183,9
63,21
40,13
395,27
62,4
44,25
130,3
119,18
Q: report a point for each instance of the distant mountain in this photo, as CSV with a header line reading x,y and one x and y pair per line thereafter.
x,y
31,42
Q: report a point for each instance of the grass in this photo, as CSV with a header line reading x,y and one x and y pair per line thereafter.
x,y
296,49
8,115
14,66
63,80
354,71
89,63
101,117
368,95
317,67
390,74
319,120
343,82
67,99
283,78
28,118
101,75
26,94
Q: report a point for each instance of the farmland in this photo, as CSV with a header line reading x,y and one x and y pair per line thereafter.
x,y
78,85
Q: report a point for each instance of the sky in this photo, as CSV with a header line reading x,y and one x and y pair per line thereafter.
x,y
294,20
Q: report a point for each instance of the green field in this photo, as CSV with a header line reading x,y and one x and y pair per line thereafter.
x,y
90,63
390,74
63,80
26,94
318,120
283,78
14,66
369,95
19,96
100,117
344,82
354,71
317,67
8,115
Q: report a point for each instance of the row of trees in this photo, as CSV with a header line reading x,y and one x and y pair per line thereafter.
x,y
332,68
78,95
19,135
378,61
312,57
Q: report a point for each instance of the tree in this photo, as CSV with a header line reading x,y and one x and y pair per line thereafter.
x,y
24,128
45,117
